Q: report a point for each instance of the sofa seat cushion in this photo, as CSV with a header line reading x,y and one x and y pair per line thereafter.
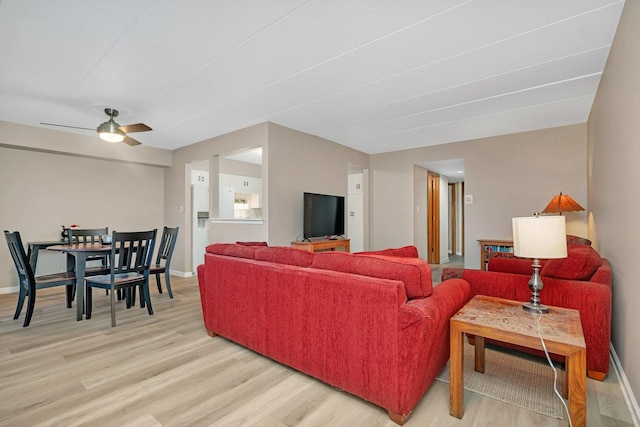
x,y
580,264
415,273
285,255
405,251
232,249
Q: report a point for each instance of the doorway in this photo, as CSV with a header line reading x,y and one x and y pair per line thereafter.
x,y
433,218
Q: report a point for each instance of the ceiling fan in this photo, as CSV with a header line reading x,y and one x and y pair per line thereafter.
x,y
111,131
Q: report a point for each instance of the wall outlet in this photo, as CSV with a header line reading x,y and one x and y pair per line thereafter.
x,y
468,199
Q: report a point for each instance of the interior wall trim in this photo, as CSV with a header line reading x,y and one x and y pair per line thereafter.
x,y
627,392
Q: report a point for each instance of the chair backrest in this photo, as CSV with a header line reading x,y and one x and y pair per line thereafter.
x,y
20,259
168,242
87,235
131,252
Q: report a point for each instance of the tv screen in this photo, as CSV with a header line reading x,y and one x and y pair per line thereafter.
x,y
323,215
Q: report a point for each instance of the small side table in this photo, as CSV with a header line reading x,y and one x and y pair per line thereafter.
x,y
505,320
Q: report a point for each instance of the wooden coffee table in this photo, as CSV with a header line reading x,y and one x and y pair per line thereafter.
x,y
505,320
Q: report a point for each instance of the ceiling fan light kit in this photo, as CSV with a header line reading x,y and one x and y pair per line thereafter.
x,y
111,131
108,131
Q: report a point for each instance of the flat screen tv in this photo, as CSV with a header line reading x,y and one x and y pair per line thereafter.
x,y
323,215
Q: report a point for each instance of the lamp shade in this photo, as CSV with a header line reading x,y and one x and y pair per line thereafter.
x,y
540,237
562,203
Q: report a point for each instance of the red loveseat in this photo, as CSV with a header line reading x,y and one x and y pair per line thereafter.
x,y
372,325
582,281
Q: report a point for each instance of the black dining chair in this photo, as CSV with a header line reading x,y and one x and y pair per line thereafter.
x,y
29,284
91,235
129,262
165,251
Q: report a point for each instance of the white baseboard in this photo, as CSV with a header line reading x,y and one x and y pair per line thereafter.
x,y
629,397
9,290
181,273
444,260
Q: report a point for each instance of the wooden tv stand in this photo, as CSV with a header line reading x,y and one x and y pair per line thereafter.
x,y
320,245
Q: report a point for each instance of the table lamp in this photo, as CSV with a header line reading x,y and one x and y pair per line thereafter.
x,y
539,237
562,203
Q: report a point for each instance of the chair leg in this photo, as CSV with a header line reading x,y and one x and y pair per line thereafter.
x,y
144,290
21,297
167,281
131,295
30,305
142,299
112,300
88,302
70,292
158,283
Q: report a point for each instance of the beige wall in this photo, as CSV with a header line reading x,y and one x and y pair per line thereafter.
x,y
42,191
299,162
420,212
178,190
613,178
510,175
89,146
293,162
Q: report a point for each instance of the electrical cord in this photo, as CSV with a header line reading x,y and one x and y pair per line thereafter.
x,y
555,371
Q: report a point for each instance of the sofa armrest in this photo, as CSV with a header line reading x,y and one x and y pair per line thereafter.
x,y
425,337
448,297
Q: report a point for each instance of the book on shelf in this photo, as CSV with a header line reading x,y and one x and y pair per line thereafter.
x,y
497,248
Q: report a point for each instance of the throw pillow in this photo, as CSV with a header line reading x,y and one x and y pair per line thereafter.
x,y
405,251
580,264
285,255
232,249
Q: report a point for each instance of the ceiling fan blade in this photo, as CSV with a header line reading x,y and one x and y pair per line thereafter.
x,y
65,126
130,141
138,127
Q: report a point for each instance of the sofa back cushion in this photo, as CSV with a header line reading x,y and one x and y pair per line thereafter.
x,y
580,264
512,265
285,255
232,249
405,251
413,272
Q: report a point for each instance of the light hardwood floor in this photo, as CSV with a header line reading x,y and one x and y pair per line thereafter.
x,y
164,370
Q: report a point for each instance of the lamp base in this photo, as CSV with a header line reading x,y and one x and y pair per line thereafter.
x,y
535,307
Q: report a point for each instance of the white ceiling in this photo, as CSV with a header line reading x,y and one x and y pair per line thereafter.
x,y
374,75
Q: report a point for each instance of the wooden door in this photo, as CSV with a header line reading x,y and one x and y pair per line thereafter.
x,y
433,218
453,219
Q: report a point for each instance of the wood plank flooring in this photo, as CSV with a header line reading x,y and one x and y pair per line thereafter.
x,y
164,370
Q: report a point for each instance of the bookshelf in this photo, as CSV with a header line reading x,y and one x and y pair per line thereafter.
x,y
488,246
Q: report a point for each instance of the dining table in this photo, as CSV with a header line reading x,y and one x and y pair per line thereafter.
x,y
80,252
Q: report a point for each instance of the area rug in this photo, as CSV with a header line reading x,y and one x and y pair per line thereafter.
x,y
513,377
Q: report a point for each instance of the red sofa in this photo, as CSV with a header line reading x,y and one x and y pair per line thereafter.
x,y
582,281
372,325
